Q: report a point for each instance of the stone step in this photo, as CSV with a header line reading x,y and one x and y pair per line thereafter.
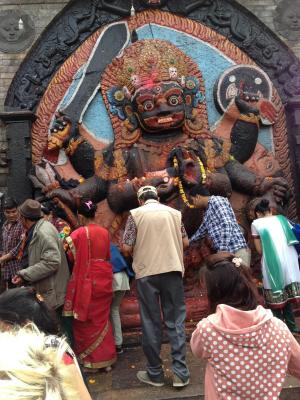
x,y
121,383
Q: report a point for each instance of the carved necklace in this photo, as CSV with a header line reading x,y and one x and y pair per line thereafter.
x,y
180,185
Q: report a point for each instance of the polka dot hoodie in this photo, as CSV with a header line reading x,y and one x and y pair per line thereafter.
x,y
248,354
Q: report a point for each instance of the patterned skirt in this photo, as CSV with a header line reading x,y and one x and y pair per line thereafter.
x,y
291,293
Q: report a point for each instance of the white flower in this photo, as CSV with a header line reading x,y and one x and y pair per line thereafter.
x,y
237,261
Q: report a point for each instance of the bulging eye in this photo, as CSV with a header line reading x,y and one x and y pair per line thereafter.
x,y
148,105
173,100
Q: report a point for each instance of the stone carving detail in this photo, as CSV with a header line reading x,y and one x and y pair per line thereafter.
x,y
51,99
79,20
287,19
162,137
16,31
61,40
164,103
159,114
241,77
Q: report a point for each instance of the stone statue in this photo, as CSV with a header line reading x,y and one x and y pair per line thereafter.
x,y
156,99
162,134
16,31
287,19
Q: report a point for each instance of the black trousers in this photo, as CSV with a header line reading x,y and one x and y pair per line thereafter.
x,y
158,295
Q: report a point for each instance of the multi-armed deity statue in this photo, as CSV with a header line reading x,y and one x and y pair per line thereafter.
x,y
155,96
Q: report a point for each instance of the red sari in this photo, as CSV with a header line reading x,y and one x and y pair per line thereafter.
x,y
89,296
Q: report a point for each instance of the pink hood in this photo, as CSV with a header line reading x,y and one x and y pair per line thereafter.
x,y
241,324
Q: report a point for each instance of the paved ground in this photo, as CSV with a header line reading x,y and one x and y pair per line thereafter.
x,y
122,384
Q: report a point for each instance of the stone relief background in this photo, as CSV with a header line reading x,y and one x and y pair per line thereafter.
x,y
42,12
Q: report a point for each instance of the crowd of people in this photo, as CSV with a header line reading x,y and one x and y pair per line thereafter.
x,y
62,291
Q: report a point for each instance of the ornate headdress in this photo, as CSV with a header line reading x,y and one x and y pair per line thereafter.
x,y
144,63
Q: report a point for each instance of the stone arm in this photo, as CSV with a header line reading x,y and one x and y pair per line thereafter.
x,y
246,181
70,216
122,196
242,179
94,188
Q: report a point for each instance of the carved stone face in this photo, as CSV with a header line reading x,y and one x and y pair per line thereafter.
x,y
16,31
10,30
291,18
287,19
160,107
154,3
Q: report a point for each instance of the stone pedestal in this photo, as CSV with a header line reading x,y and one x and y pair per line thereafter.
x,y
18,126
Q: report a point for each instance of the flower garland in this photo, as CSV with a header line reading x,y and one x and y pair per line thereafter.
x,y
180,185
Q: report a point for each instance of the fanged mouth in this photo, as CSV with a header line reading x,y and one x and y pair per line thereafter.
x,y
165,120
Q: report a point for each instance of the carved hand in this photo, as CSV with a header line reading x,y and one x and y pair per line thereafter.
x,y
60,132
188,165
267,111
164,181
278,186
65,196
71,217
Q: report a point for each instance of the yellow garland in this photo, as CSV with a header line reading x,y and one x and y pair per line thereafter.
x,y
202,170
183,195
180,185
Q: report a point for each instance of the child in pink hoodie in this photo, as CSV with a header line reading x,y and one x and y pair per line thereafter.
x,y
248,351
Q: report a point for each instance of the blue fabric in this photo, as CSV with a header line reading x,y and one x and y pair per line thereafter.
x,y
296,230
118,261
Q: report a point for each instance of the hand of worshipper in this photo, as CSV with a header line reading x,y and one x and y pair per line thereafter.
x,y
4,258
17,280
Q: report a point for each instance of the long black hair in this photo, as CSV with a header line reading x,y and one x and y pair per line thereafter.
x,y
229,283
9,203
22,305
262,207
87,208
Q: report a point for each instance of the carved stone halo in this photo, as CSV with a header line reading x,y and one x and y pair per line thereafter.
x,y
253,80
16,31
